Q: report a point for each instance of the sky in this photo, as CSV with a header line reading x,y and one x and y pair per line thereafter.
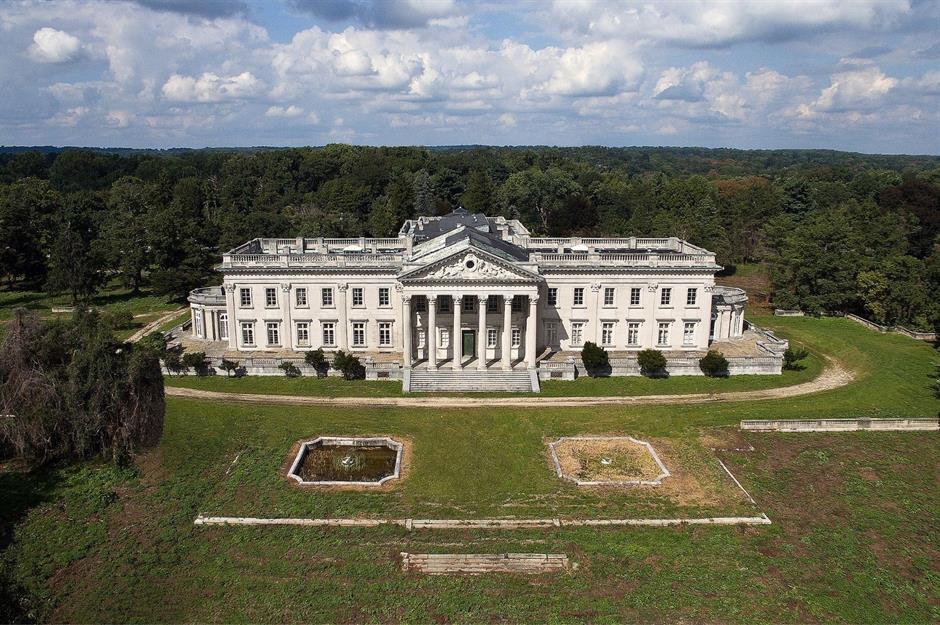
x,y
859,75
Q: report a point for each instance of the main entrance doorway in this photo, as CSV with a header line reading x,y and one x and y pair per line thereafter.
x,y
469,338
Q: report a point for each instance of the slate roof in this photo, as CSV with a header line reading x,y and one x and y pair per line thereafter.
x,y
460,217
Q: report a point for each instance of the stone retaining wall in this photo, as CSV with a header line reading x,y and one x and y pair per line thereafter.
x,y
841,425
479,563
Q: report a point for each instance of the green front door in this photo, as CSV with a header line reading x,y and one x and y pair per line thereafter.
x,y
469,343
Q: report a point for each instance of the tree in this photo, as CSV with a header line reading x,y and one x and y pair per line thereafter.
x,y
154,342
595,359
714,364
26,211
895,292
652,363
423,196
173,362
125,233
317,360
195,361
290,369
792,356
75,262
228,366
348,365
480,195
71,390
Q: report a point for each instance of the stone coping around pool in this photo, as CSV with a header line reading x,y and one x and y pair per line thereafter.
x,y
664,472
350,441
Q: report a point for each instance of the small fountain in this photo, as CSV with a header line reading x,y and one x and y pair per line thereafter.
x,y
330,460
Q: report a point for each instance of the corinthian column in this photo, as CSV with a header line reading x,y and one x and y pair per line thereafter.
x,y
431,339
531,331
507,333
456,340
481,332
406,330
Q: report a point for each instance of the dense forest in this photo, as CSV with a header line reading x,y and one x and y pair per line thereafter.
x,y
839,231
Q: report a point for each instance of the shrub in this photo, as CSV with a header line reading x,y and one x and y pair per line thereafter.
x,y
154,342
173,362
228,366
195,361
289,369
348,365
652,362
595,358
317,360
74,391
121,319
714,364
792,356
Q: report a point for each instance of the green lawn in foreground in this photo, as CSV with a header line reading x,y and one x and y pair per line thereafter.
x,y
853,538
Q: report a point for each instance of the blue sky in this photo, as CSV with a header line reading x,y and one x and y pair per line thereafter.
x,y
859,75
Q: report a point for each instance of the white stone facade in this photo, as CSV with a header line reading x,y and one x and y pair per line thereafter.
x,y
483,280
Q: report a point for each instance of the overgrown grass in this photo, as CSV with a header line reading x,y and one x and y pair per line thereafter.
x,y
853,538
113,297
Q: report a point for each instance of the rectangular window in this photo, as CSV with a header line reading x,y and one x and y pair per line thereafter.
x,y
197,319
301,297
244,296
443,303
665,297
468,301
662,338
607,333
551,333
491,337
385,298
223,326
270,297
303,334
690,296
357,299
608,296
516,337
329,334
635,296
633,333
579,296
516,303
248,333
326,296
359,334
553,297
688,333
421,304
385,334
492,304
445,337
274,333
577,333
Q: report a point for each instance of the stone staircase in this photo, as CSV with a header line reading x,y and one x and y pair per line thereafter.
x,y
470,381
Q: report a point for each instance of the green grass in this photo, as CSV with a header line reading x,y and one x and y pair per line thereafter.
x,y
853,539
113,297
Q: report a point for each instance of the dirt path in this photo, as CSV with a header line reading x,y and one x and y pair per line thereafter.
x,y
833,376
153,325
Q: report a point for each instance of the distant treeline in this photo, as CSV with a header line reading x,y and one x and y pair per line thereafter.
x,y
840,231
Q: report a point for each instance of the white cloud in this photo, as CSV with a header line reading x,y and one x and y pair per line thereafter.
x,y
284,111
507,120
210,87
601,68
855,89
54,46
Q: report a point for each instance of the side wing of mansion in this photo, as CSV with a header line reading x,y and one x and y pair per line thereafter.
x,y
467,292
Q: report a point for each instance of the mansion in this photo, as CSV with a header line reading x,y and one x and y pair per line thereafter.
x,y
467,292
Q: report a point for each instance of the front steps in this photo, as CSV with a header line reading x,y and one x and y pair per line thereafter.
x,y
470,381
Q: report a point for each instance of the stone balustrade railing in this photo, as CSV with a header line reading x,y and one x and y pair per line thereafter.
x,y
645,259
312,260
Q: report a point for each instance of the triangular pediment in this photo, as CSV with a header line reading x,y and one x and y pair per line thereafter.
x,y
470,265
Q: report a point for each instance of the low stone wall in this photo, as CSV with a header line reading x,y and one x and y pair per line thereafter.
x,y
771,364
478,563
261,366
841,425
783,312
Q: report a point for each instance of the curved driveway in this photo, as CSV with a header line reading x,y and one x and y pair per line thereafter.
x,y
833,376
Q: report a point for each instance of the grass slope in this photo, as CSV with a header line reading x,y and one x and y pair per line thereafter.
x,y
853,538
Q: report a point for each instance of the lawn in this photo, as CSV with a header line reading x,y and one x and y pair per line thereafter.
x,y
853,538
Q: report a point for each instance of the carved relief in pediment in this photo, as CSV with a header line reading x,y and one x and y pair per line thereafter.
x,y
471,267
